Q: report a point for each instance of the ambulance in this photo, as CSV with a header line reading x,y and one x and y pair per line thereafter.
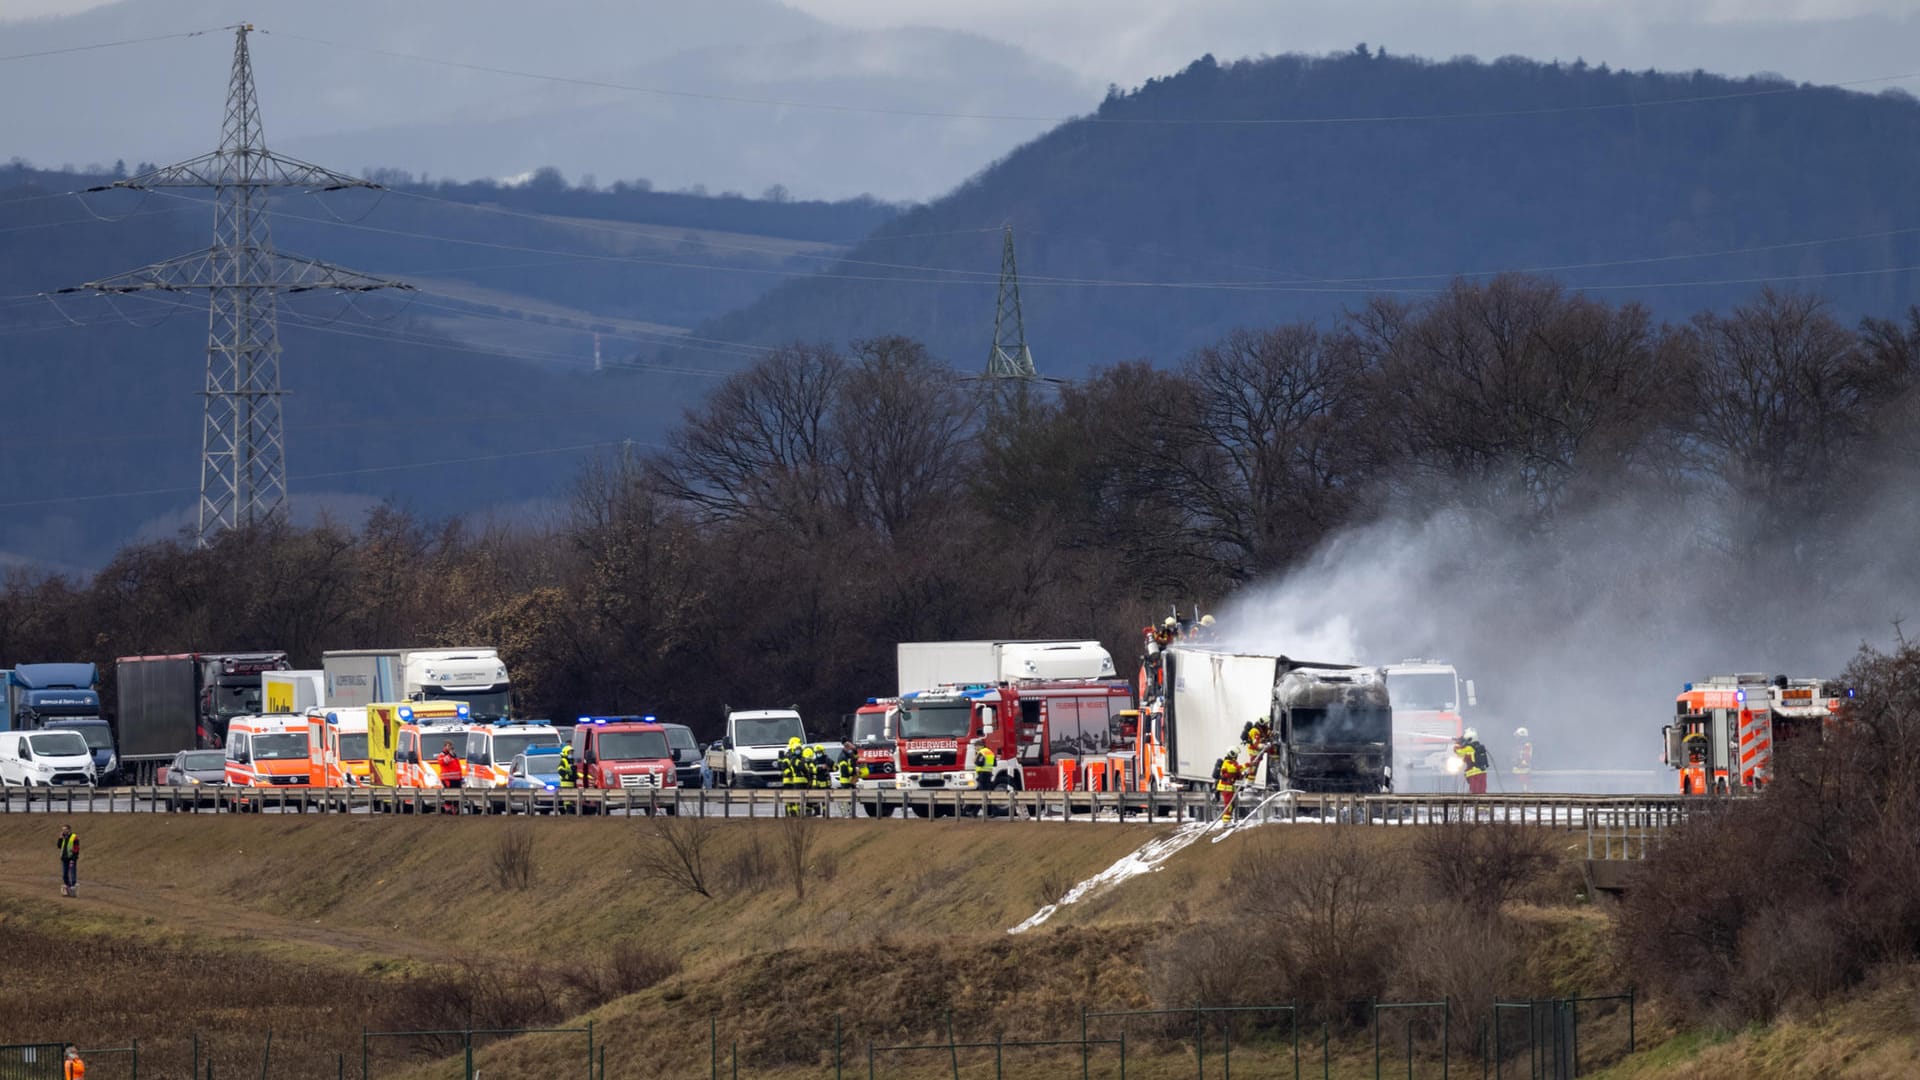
x,y
337,747
491,748
267,751
404,737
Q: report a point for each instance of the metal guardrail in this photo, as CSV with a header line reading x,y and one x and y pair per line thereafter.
x,y
1644,814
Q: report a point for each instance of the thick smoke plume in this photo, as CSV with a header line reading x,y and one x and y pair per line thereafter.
x,y
1585,635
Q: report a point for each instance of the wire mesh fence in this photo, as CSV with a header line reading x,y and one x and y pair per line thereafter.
x,y
1534,1039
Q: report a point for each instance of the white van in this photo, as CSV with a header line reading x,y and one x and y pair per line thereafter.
x,y
44,758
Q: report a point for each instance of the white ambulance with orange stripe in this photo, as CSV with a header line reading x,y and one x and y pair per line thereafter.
x,y
337,747
267,751
491,748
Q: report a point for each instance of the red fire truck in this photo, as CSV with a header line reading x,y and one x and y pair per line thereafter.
x,y
1046,735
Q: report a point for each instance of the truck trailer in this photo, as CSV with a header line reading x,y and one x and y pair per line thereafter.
x,y
1332,724
923,665
360,677
171,703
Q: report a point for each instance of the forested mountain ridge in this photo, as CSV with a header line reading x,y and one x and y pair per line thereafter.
x,y
1261,190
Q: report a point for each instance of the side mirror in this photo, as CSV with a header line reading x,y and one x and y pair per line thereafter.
x,y
1471,699
987,716
726,743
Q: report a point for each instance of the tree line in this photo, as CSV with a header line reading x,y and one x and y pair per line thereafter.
x,y
827,503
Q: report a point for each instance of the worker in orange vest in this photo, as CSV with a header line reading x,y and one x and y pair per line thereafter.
x,y
73,1068
449,766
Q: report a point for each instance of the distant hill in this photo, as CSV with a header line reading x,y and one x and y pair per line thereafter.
x,y
1265,190
343,83
491,361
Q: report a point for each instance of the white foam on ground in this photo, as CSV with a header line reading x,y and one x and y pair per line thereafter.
x,y
1144,861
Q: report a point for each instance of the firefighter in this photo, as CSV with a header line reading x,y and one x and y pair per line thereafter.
x,y
1167,633
1205,631
1523,759
1226,780
566,765
984,764
791,778
807,774
1255,737
1473,760
848,768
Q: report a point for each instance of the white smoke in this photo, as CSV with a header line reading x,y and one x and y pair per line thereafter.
x,y
1586,634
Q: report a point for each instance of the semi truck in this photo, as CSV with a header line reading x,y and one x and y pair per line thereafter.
x,y
186,700
359,677
1332,724
923,665
66,697
1428,696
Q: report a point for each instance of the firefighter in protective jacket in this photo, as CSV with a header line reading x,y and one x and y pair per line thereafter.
x,y
1523,759
1226,780
1474,761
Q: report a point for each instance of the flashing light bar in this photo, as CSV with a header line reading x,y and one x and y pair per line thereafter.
x,y
406,713
1739,695
648,720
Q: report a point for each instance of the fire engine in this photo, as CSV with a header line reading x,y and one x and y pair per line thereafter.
x,y
1726,728
872,734
1045,735
1428,699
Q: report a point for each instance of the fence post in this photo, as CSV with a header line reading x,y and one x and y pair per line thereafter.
x,y
363,1053
1630,1020
195,1074
999,1041
340,1066
713,1045
1083,1041
469,1075
1199,1044
589,1050
1376,1040
836,1047
953,1049
1573,1006
266,1055
136,1059
736,1059
1446,1036
1326,1052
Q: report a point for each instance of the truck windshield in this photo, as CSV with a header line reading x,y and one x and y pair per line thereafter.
x,y
280,746
97,735
353,746
507,746
1428,690
947,720
57,744
869,727
485,705
236,699
767,730
1342,725
632,745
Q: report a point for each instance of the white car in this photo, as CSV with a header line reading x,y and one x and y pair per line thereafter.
x,y
45,758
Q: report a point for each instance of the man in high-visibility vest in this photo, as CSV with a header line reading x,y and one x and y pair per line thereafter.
x,y
984,764
1226,780
69,862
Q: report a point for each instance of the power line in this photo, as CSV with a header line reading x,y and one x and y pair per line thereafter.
x,y
936,114
111,44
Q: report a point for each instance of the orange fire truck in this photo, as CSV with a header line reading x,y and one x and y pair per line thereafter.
x,y
1726,728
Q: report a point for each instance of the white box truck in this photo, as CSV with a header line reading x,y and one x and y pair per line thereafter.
x,y
923,665
361,677
1332,723
292,691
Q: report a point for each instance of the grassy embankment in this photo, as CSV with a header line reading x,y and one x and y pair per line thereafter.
x,y
319,927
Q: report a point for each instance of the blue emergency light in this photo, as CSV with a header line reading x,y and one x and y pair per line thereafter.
x,y
1739,695
648,720
1688,689
532,750
461,711
406,714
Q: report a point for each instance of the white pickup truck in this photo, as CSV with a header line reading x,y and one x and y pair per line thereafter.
x,y
749,755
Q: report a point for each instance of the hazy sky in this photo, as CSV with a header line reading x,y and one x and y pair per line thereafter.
x,y
1126,41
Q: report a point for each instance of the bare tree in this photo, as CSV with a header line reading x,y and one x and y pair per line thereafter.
x,y
676,852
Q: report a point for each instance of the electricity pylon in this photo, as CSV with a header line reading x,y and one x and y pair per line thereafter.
x,y
1010,358
243,467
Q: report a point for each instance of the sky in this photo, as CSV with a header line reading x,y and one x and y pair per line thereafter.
x,y
1127,41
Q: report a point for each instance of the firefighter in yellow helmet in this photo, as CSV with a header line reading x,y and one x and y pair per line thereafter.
x,y
792,778
1227,773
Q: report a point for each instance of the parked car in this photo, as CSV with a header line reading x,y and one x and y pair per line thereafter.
x,y
689,764
537,769
45,759
191,767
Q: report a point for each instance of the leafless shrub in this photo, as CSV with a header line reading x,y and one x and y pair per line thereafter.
x,y
1335,913
513,866
677,852
1481,866
630,968
1463,956
750,869
798,835
1053,886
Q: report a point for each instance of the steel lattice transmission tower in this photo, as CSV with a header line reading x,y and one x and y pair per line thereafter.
x,y
1010,358
243,468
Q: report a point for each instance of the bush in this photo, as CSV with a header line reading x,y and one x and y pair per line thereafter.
x,y
1481,866
513,858
676,852
1761,904
750,869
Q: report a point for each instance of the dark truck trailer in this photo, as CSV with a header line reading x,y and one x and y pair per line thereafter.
x,y
173,703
